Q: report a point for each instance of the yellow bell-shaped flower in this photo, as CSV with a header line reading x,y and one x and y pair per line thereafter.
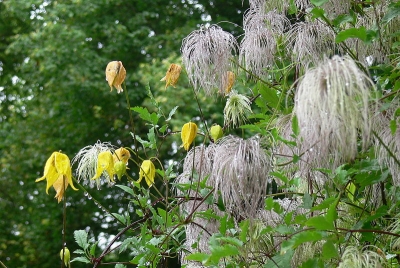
x,y
115,75
172,76
67,256
58,170
148,171
105,163
188,133
121,154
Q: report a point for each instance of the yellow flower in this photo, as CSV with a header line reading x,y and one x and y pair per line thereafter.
x,y
148,171
121,154
67,256
105,162
188,133
115,75
229,81
172,75
58,170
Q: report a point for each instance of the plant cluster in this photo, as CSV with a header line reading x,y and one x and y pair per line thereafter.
x,y
304,171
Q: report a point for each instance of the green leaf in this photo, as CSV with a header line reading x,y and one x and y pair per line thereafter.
x,y
171,113
79,251
393,126
318,13
269,95
361,33
200,257
300,238
318,3
126,189
324,204
350,191
344,18
120,218
244,226
81,238
119,265
163,128
145,115
393,11
280,176
295,125
152,138
81,259
320,223
92,250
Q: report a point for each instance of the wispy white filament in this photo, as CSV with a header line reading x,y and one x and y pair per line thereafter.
x,y
333,111
206,55
87,163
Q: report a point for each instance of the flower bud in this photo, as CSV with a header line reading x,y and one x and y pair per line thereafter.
x,y
216,132
188,133
120,169
67,256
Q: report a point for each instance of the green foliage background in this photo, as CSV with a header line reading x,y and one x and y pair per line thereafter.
x,y
54,96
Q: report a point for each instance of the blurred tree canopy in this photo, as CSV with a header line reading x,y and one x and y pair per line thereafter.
x,y
54,96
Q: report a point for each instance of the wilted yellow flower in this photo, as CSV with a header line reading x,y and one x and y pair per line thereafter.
x,y
229,81
172,75
188,133
121,154
148,171
57,170
115,75
105,162
216,132
67,256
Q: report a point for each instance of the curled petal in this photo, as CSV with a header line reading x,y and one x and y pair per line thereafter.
x,y
121,154
105,162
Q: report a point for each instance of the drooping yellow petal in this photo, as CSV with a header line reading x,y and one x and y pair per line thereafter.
x,y
49,164
172,75
105,162
121,154
60,188
115,75
148,171
230,80
188,133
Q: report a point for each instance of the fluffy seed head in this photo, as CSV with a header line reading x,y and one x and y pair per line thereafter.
x,y
358,258
309,42
240,173
391,141
333,111
258,47
87,163
206,54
